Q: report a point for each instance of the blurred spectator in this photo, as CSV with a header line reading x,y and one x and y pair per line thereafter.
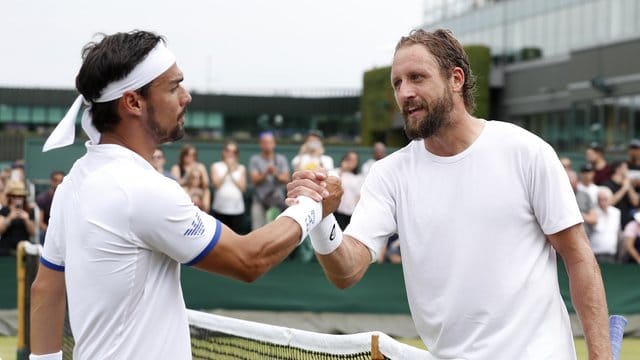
x,y
585,182
351,184
269,173
585,204
595,156
625,196
16,219
632,238
44,202
634,163
188,159
311,154
391,254
229,179
606,232
159,162
195,179
566,164
379,152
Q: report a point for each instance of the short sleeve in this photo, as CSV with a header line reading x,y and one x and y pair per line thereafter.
x,y
373,220
554,202
166,220
53,250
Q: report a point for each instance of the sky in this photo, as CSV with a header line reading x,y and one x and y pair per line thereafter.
x,y
220,45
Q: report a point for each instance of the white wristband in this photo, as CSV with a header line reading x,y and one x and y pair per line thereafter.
x,y
52,356
307,213
327,236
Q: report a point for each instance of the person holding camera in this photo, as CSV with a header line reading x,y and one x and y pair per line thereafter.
x,y
16,219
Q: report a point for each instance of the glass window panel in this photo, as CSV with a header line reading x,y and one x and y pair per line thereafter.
x,y
215,120
22,114
55,115
6,113
38,114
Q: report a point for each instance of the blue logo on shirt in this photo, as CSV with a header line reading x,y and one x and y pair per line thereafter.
x,y
196,228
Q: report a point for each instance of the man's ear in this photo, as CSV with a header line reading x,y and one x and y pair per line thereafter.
x,y
457,79
132,103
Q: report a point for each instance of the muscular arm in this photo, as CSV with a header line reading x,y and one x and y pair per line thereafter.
x,y
586,287
247,257
48,300
346,266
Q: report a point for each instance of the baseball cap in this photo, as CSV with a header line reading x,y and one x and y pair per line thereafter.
x,y
634,143
587,167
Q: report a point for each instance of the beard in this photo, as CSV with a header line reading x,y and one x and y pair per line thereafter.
x,y
163,135
436,118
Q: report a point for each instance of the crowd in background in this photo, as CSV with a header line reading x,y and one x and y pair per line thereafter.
x,y
221,189
607,195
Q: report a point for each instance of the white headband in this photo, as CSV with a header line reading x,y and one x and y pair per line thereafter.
x,y
154,64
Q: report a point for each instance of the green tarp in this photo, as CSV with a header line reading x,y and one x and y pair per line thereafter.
x,y
296,286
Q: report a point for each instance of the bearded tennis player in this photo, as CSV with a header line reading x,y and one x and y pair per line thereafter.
x,y
481,209
119,230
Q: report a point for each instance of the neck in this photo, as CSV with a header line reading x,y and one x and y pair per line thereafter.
x,y
140,145
463,130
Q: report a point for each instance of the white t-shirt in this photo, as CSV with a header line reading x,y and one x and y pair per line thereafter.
x,y
351,184
119,230
605,233
480,275
228,198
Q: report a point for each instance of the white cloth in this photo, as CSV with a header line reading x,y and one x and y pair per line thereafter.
x,y
605,233
119,230
351,184
228,199
159,60
480,275
591,190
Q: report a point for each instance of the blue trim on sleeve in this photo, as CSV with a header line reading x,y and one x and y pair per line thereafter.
x,y
51,265
210,246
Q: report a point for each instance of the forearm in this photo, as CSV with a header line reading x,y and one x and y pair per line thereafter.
x,y
30,226
347,264
588,297
47,318
633,197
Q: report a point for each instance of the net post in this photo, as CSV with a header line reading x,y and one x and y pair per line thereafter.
x,y
20,274
375,349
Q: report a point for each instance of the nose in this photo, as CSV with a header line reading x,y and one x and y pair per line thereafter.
x,y
404,92
186,98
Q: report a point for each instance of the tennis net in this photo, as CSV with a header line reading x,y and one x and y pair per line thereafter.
x,y
219,337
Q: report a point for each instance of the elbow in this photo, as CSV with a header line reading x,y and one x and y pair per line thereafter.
x,y
253,267
343,283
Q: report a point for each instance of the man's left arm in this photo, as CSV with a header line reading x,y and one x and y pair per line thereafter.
x,y
586,287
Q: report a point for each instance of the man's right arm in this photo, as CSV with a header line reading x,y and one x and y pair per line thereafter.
x,y
48,301
346,265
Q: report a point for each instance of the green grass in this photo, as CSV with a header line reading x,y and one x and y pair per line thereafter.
x,y
630,348
8,347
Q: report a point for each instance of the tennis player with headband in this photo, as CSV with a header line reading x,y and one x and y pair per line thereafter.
x,y
119,230
481,208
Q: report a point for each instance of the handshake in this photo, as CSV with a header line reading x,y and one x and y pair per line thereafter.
x,y
312,197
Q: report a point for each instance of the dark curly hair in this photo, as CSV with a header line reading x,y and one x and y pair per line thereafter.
x,y
108,60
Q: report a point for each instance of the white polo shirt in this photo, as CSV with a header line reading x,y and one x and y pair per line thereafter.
x,y
119,230
480,274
